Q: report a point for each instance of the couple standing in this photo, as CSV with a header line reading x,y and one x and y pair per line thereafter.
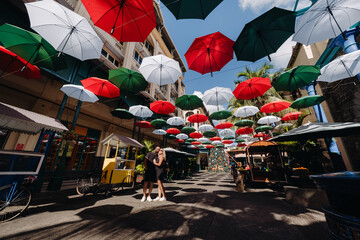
x,y
155,169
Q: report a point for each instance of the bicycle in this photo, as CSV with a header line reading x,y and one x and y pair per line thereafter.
x,y
15,198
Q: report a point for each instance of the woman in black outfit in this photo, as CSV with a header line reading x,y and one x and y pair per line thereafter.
x,y
160,172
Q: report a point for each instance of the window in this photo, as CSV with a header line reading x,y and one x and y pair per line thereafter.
x,y
138,58
149,47
116,63
111,59
104,53
172,96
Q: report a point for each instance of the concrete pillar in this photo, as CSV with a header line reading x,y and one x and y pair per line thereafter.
x,y
128,54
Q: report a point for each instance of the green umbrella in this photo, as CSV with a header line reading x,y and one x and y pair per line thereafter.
x,y
158,123
263,128
209,134
30,46
265,34
188,102
187,143
170,136
239,140
206,142
128,80
307,101
219,115
188,130
220,146
122,113
190,9
228,138
190,140
297,77
201,147
244,122
276,133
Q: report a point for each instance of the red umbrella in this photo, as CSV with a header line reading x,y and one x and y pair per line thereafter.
x,y
144,124
227,142
224,125
162,107
195,135
179,140
242,145
197,118
101,87
266,138
291,116
12,63
209,146
261,135
244,130
275,106
252,88
215,139
173,131
209,53
126,20
196,143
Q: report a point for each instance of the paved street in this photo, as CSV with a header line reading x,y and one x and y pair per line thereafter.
x,y
204,207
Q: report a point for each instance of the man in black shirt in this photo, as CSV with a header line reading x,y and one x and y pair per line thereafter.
x,y
150,174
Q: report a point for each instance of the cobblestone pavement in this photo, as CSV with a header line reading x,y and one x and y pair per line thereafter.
x,y
203,207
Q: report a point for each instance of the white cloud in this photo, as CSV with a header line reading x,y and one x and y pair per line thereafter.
x,y
281,58
259,5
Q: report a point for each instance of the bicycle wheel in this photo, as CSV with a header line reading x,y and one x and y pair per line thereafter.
x,y
11,207
84,185
128,182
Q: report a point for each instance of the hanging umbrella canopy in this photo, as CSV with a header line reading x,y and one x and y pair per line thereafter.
x,y
206,127
209,53
265,34
191,9
275,106
213,108
217,96
244,122
326,19
295,78
224,125
144,124
239,140
190,140
261,135
209,146
227,132
140,111
227,141
241,136
128,80
170,136
203,140
195,143
284,125
242,145
307,101
101,87
215,139
160,70
268,120
291,116
206,142
201,147
126,20
219,115
246,111
228,138
162,107
217,142
122,113
175,121
195,135
12,63
197,118
79,92
65,30
263,128
342,67
252,88
188,130
244,130
159,132
158,123
173,131
188,102
182,136
30,46
180,141
209,134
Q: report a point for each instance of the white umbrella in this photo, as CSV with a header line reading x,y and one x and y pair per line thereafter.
x,y
140,111
160,69
227,132
182,136
206,127
268,120
203,140
342,67
216,142
283,125
326,19
65,30
243,136
191,146
175,121
213,108
198,93
246,111
159,132
79,92
217,96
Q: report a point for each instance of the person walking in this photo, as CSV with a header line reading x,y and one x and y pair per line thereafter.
x,y
150,174
160,171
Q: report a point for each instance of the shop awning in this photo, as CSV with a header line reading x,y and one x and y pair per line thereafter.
x,y
169,149
21,120
319,130
123,141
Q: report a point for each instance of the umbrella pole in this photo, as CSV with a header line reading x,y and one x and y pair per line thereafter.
x,y
68,37
208,50
332,15
117,17
134,128
76,115
138,137
36,50
267,53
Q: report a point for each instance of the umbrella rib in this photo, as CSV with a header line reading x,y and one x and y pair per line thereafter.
x,y
134,20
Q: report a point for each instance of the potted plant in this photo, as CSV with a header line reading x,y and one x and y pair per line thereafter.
x,y
139,172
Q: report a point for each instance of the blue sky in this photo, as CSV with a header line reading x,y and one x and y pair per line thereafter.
x,y
229,18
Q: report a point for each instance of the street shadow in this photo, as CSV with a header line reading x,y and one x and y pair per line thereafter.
x,y
206,184
185,183
194,190
105,211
